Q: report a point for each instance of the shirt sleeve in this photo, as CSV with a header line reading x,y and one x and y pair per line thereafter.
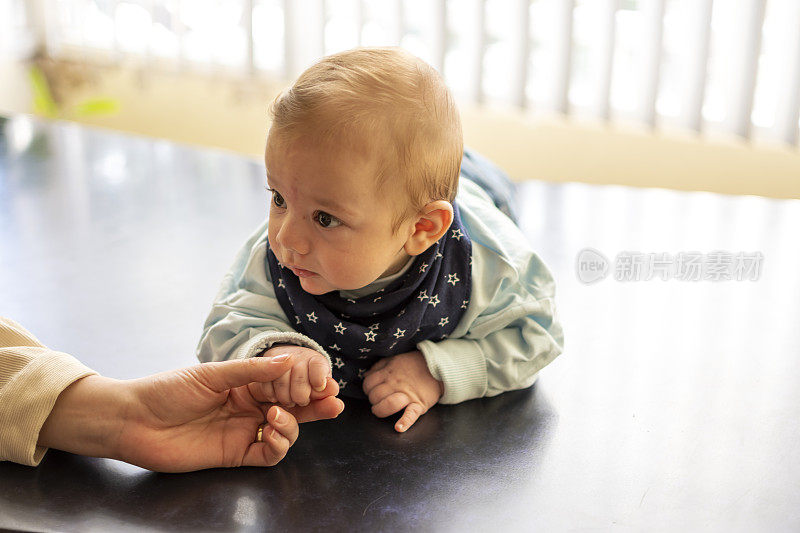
x,y
246,318
31,379
509,331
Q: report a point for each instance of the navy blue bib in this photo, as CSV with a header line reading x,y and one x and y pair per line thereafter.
x,y
426,303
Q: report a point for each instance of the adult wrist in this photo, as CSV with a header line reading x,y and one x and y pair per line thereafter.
x,y
88,418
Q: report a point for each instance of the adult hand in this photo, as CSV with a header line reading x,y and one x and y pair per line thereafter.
x,y
199,417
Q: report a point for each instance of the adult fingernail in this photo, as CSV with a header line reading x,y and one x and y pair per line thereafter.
x,y
320,388
279,416
280,358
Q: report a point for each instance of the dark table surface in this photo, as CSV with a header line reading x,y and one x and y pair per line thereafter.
x,y
675,406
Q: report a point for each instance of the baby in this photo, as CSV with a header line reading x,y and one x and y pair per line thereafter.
x,y
376,266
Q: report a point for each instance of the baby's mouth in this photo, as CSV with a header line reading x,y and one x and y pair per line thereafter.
x,y
301,273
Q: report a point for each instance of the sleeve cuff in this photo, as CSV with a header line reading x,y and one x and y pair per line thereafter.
x,y
26,402
460,364
265,341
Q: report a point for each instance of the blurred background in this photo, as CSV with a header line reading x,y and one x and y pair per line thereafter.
x,y
684,94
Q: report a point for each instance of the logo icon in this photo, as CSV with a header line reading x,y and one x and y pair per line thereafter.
x,y
591,266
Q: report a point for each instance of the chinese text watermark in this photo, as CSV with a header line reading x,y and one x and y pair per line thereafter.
x,y
592,266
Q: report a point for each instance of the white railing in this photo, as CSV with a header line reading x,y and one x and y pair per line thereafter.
x,y
729,65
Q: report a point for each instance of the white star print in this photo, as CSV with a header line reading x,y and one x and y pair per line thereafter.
x,y
364,350
434,301
340,328
374,326
298,319
361,372
464,304
335,347
376,299
424,267
342,383
438,255
370,336
281,284
402,312
453,278
399,333
339,363
444,321
312,317
393,345
457,234
351,300
422,296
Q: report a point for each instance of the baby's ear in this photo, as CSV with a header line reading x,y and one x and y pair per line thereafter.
x,y
434,221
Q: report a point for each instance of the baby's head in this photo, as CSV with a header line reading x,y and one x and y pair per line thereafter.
x,y
363,157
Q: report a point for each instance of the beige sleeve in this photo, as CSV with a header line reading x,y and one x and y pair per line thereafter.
x,y
31,378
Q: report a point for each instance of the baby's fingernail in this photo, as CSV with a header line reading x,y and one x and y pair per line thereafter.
x,y
401,427
280,358
279,416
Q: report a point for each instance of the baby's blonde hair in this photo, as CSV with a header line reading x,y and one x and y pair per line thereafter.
x,y
388,105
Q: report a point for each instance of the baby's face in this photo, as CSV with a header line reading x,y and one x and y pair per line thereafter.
x,y
326,217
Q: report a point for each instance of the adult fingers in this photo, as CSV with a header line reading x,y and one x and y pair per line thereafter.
x,y
285,424
391,404
223,375
262,391
300,388
410,415
331,389
380,392
372,380
272,448
318,371
283,387
323,409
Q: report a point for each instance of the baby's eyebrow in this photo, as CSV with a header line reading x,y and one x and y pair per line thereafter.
x,y
324,202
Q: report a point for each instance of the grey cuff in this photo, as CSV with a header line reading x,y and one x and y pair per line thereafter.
x,y
265,341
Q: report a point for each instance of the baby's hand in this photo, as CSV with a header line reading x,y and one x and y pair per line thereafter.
x,y
402,381
309,379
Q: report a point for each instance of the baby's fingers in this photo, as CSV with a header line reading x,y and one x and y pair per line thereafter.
x,y
391,404
318,371
410,415
331,389
373,379
283,389
262,391
301,389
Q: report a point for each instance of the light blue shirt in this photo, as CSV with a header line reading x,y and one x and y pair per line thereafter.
x,y
508,332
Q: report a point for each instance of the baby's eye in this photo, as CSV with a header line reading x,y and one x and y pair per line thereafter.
x,y
325,220
277,199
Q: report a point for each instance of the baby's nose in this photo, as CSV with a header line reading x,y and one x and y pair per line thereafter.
x,y
292,237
